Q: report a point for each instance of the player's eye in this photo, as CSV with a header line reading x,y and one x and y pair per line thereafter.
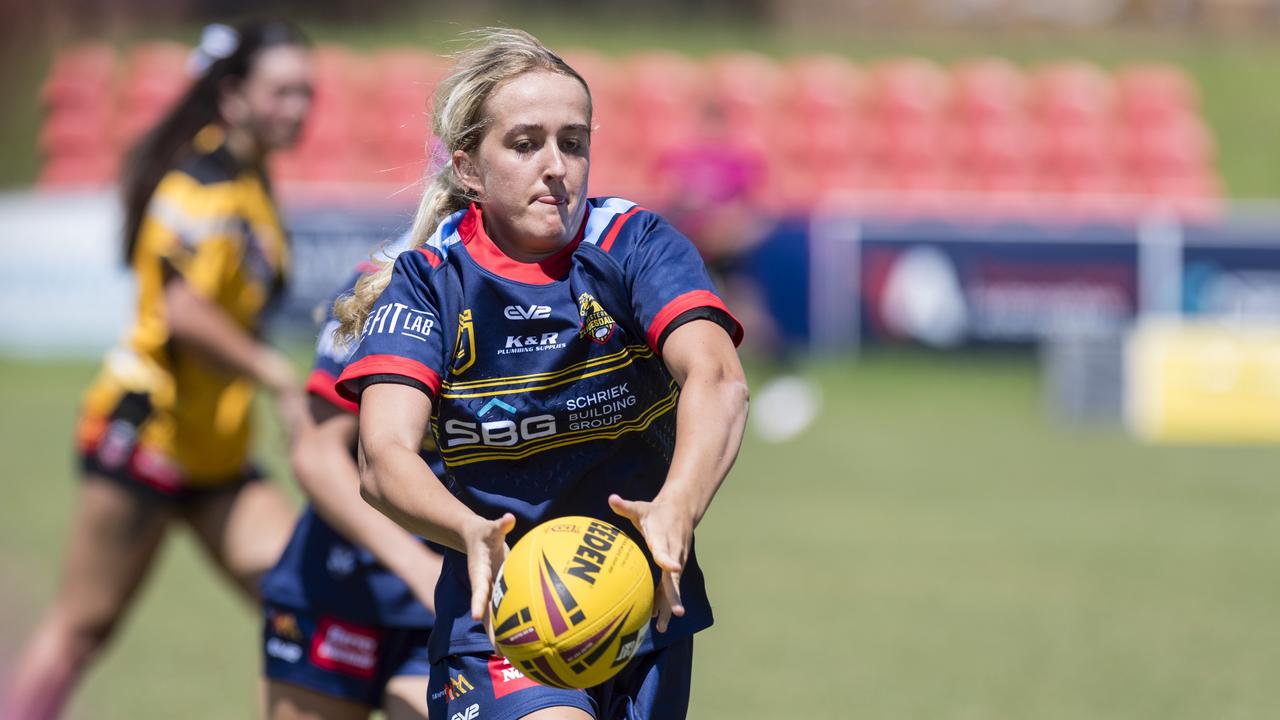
x,y
524,146
572,145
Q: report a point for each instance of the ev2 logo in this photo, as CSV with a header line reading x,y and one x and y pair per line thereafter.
x,y
532,312
471,713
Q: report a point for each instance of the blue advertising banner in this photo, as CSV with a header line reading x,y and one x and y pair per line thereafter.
x,y
1232,272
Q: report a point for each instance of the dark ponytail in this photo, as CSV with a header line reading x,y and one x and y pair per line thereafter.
x,y
230,56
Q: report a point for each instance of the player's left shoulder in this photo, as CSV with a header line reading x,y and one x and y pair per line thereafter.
x,y
618,226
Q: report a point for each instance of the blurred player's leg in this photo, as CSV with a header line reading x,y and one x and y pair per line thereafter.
x,y
244,531
406,698
290,702
114,538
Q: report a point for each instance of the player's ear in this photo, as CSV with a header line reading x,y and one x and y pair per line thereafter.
x,y
465,169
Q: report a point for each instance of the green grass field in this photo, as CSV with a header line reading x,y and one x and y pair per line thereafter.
x,y
935,547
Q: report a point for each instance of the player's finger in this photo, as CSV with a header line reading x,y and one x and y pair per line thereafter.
x,y
660,545
664,615
671,581
481,575
506,523
479,599
626,508
665,559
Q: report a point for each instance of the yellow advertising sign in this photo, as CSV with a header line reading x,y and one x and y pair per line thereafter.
x,y
1202,382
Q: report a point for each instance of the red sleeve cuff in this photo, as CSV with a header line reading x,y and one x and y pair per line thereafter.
x,y
683,303
323,385
349,389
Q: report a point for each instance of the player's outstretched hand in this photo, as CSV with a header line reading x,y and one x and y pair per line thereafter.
x,y
486,544
668,531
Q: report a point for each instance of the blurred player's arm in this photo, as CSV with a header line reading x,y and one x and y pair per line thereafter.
x,y
199,323
711,417
325,469
395,479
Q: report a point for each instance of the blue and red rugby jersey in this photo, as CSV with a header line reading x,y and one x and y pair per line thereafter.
x,y
548,389
322,570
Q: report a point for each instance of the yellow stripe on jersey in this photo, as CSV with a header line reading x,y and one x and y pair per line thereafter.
x,y
483,453
613,361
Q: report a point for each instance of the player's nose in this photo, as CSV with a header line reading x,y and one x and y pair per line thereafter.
x,y
555,165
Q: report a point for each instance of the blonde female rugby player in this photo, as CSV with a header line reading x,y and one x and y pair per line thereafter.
x,y
550,341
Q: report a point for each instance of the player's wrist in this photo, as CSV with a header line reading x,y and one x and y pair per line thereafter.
x,y
472,529
681,501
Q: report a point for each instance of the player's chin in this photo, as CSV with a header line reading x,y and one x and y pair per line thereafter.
x,y
549,219
286,137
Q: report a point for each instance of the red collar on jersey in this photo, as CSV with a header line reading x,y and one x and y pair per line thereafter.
x,y
485,252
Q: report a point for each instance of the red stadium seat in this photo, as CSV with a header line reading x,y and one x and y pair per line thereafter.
x,y
83,76
397,125
826,86
610,97
77,133
1176,146
748,86
1077,149
908,89
154,77
603,76
667,93
1070,93
993,147
79,172
1204,184
990,89
819,122
906,143
1155,93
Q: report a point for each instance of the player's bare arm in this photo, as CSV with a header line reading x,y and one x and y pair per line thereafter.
x,y
712,414
395,479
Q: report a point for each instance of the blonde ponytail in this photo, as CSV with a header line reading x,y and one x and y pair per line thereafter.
x,y
496,56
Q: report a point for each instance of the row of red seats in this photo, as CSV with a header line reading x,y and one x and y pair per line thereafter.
x,y
816,123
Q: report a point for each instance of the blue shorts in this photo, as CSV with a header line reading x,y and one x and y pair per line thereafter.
x,y
339,658
654,686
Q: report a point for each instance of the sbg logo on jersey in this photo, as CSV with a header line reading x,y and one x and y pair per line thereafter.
x,y
500,433
400,319
597,324
526,312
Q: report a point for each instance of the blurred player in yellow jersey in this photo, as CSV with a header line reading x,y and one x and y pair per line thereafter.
x,y
165,429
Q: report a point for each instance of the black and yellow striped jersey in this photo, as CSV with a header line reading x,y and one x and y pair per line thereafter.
x,y
213,223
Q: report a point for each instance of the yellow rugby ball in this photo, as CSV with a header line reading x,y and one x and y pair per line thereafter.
x,y
572,602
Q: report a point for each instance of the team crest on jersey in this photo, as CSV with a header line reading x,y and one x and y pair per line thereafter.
x,y
464,353
597,324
